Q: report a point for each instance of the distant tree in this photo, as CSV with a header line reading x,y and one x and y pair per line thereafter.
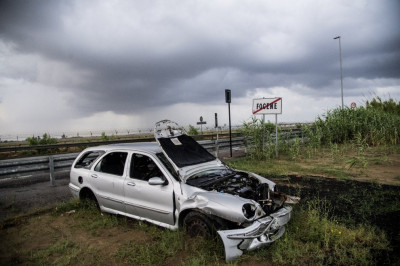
x,y
32,141
104,137
45,140
193,131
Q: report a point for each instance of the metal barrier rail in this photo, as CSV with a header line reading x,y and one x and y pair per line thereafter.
x,y
14,168
69,145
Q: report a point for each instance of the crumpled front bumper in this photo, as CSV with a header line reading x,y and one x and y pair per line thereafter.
x,y
263,231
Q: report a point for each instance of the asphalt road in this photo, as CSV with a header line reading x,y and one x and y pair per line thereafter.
x,y
19,197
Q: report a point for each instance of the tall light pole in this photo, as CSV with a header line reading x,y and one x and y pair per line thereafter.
x,y
341,72
228,101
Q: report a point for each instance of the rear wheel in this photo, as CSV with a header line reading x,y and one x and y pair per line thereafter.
x,y
88,199
198,224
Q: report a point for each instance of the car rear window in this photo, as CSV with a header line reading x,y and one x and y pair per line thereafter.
x,y
86,160
113,163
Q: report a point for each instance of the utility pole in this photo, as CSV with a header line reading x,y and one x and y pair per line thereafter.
x,y
341,72
228,100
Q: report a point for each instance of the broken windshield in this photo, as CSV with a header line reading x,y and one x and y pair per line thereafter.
x,y
185,151
209,176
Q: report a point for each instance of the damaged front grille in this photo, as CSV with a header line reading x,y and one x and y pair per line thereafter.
x,y
240,184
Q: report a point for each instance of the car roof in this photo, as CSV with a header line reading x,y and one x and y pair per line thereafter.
x,y
150,147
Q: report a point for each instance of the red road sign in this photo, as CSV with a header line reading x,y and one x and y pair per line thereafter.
x,y
267,106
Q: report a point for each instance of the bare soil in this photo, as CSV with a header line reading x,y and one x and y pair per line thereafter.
x,y
352,202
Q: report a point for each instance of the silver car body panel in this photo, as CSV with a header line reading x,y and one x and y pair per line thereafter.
x,y
135,198
261,232
223,205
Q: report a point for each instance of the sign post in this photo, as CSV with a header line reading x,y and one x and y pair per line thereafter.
x,y
201,123
216,141
228,101
269,106
276,135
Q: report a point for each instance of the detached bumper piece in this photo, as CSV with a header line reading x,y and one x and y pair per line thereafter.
x,y
261,232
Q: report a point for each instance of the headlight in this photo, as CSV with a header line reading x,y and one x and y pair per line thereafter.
x,y
249,210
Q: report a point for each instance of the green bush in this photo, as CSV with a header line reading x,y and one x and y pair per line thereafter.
x,y
193,131
374,125
258,133
104,137
45,140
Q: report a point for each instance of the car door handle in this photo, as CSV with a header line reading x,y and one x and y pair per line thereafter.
x,y
131,184
94,176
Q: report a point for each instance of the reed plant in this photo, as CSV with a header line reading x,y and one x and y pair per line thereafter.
x,y
374,126
260,137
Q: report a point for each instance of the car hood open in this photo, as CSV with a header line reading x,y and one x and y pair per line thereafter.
x,y
185,153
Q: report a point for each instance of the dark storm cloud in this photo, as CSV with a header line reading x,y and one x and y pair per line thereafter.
x,y
148,54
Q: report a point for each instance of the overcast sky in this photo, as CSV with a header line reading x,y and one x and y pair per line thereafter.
x,y
70,66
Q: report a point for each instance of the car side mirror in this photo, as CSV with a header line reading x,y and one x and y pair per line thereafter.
x,y
157,181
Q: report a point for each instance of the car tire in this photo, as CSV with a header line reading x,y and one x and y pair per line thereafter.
x,y
198,224
89,199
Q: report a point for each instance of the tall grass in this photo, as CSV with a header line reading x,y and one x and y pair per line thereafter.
x,y
312,238
374,126
259,133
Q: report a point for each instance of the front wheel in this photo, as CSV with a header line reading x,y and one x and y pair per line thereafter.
x,y
198,224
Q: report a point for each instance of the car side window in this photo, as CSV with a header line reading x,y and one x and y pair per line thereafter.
x,y
144,168
86,160
113,163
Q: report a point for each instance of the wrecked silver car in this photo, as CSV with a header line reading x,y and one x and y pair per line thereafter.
x,y
177,183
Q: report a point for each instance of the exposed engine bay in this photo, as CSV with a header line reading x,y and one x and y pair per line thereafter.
x,y
240,184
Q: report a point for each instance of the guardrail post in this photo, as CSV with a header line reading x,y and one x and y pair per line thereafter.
x,y
51,167
216,149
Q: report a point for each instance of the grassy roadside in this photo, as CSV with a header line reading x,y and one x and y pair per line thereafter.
x,y
333,177
339,221
344,162
76,233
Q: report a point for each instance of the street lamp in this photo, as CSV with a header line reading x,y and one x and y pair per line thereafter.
x,y
341,72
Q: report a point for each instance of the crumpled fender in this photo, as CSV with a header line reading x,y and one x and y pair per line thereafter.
x,y
261,232
262,179
226,206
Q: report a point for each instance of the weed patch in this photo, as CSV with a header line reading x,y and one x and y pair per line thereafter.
x,y
63,253
314,239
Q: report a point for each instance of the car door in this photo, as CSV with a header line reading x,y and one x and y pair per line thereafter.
x,y
107,179
153,202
